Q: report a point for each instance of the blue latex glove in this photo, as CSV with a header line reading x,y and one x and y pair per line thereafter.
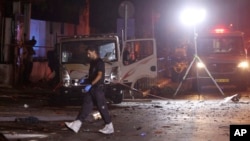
x,y
87,88
82,80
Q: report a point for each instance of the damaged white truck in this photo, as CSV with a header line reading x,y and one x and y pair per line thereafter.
x,y
132,65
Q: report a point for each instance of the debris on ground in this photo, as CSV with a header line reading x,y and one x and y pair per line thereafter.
x,y
234,98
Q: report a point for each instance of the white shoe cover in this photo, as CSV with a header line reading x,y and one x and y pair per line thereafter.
x,y
108,129
75,125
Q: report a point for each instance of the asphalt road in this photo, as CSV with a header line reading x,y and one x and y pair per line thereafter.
x,y
25,115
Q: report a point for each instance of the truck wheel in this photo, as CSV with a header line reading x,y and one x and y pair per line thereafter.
x,y
114,94
143,84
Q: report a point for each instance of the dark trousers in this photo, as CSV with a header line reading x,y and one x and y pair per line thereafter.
x,y
94,97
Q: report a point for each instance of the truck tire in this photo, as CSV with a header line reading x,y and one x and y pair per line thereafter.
x,y
114,94
143,84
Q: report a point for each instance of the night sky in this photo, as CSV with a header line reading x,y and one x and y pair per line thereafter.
x,y
57,10
104,13
219,12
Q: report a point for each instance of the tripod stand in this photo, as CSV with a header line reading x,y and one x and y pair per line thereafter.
x,y
195,59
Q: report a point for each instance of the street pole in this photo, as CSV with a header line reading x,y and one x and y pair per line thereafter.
x,y
125,22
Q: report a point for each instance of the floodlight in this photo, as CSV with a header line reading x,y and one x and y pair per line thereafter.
x,y
192,16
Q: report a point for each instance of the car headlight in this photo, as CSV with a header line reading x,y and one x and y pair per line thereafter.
x,y
200,65
65,78
114,74
243,65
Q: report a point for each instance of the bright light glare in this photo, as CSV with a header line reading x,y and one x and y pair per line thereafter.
x,y
200,65
243,64
192,16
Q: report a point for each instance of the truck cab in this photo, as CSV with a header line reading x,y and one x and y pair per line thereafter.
x,y
223,53
130,65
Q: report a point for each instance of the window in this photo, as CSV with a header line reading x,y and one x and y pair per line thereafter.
x,y
222,45
136,51
108,52
75,51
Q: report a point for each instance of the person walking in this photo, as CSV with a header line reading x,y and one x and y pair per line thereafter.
x,y
93,94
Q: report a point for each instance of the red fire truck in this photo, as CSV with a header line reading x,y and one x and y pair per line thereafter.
x,y
223,53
